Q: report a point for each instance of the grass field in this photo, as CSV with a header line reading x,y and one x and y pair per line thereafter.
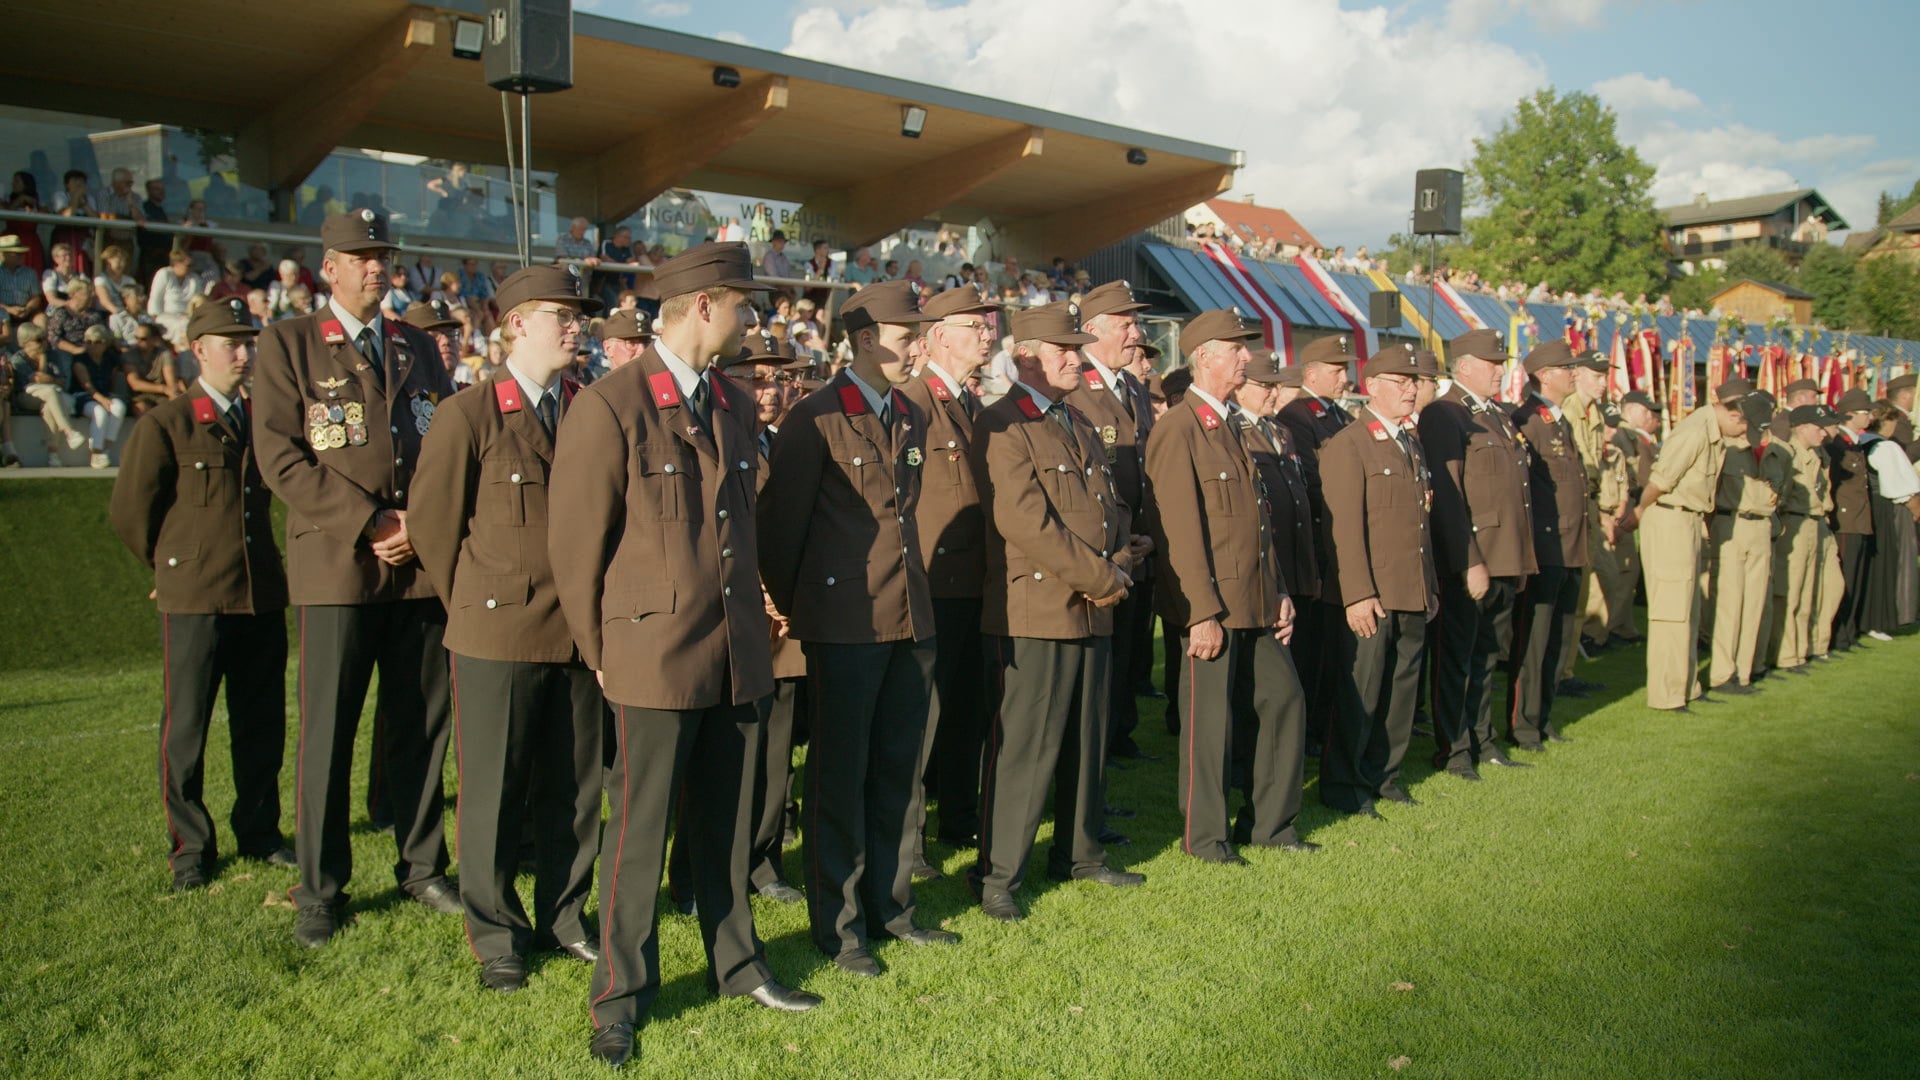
x,y
1729,894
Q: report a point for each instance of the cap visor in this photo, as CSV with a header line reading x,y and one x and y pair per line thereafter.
x,y
1117,309
1067,341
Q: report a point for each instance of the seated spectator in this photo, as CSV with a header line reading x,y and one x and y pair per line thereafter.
x,y
299,302
259,309
76,198
775,262
1059,276
1032,293
126,322
68,323
917,275
33,253
475,283
257,270
200,247
422,276
232,284
150,377
112,278
607,284
891,271
1009,275
150,353
861,269
96,387
575,244
280,293
63,272
299,256
153,246
400,294
40,377
447,291
20,295
172,291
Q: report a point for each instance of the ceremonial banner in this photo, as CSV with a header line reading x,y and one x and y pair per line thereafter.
x,y
1322,281
1271,318
1452,298
1619,378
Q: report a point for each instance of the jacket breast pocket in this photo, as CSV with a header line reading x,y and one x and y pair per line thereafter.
x,y
511,489
662,480
1220,489
1065,487
859,469
202,475
1384,484
491,591
175,557
633,603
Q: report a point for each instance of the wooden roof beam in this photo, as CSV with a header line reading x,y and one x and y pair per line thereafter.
x,y
625,177
881,205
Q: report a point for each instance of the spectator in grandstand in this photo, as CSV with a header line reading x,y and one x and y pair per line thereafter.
x,y
149,352
112,278
68,321
475,283
422,277
400,294
76,198
259,308
917,275
861,270
890,271
173,289
200,246
230,285
775,262
258,269
153,245
40,377
150,378
607,284
97,385
280,293
1009,274
20,295
300,302
126,322
575,244
447,291
63,272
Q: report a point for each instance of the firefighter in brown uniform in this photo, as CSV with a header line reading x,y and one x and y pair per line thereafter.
x,y
1115,401
1289,505
624,335
1547,610
1582,411
342,399
1805,502
1741,534
1482,546
1056,558
527,714
1672,518
1311,418
1220,588
950,536
186,503
1853,493
652,543
839,554
1374,476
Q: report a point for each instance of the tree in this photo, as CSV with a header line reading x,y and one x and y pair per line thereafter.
x,y
1827,273
1757,262
1891,207
1404,250
1886,298
1697,290
1562,200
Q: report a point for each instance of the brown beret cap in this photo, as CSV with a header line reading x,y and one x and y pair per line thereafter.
x,y
896,302
1112,298
959,300
633,325
430,315
1332,349
227,318
1396,359
1853,401
561,284
1798,385
1484,344
1732,390
727,265
354,232
1640,397
1813,414
1265,368
764,348
1056,324
1219,324
1149,350
1428,363
1591,361
1548,354
1289,376
1901,382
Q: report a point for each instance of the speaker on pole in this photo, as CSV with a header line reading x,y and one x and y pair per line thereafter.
x,y
1436,202
529,45
1383,310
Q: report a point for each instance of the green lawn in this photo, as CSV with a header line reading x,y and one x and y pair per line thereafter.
x,y
1731,894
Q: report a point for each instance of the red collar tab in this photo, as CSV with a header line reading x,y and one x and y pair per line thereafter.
x,y
1317,409
1027,406
568,388
1093,378
393,329
1546,412
203,410
852,401
1379,430
1407,424
665,390
899,403
720,392
506,391
334,332
1208,418
939,387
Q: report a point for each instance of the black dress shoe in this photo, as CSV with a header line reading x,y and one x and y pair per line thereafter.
x,y
1703,699
1106,875
1394,794
1119,813
772,995
1734,688
438,894
189,879
1149,693
1682,710
1001,906
859,963
1229,859
1112,838
1134,753
1504,761
926,871
1464,772
1368,811
614,1044
586,950
315,926
781,891
927,935
504,973
1622,639
1567,689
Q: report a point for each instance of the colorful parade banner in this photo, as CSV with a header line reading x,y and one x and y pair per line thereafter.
x,y
1274,327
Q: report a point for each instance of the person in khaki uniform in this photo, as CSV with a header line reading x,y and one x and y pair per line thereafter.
x,y
1583,410
1852,514
1056,558
1117,404
1374,475
839,552
1672,518
1220,589
1741,533
342,399
1483,549
185,503
1805,502
527,713
949,519
1638,446
652,541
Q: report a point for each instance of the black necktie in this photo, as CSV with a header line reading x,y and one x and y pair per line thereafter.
x,y
1058,410
886,413
1126,394
372,355
549,410
237,420
703,402
969,404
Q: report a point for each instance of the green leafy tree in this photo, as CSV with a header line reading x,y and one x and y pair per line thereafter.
x,y
1404,250
1757,262
1561,199
1886,298
1827,272
1891,207
1697,290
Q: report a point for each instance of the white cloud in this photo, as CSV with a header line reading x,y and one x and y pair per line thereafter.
x,y
1636,92
733,36
667,10
1474,16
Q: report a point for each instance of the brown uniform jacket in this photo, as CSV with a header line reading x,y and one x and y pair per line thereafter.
x,y
652,541
1482,489
1212,528
190,505
839,549
1852,485
1557,485
335,474
1312,420
1122,434
949,516
1053,522
1378,498
1289,507
478,520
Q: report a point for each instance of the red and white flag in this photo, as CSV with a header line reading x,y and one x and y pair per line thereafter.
x,y
1343,305
1277,331
1452,298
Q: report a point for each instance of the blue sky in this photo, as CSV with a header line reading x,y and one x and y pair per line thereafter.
x,y
1336,103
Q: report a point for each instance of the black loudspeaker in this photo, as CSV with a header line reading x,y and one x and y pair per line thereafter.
x,y
529,45
1383,310
1436,202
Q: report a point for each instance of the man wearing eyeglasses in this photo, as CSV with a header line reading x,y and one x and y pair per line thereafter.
x,y
343,398
527,712
951,542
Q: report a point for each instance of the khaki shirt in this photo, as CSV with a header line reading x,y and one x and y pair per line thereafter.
x,y
1806,491
1747,484
1589,436
1688,468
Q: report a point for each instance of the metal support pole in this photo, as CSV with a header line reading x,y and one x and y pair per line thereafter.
x,y
526,180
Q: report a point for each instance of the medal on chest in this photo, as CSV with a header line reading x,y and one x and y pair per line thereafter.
x,y
423,406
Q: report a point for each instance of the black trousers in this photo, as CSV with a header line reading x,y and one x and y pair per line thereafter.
x,y
773,787
956,726
1545,617
1050,726
1471,638
1856,564
340,649
249,654
1371,729
1123,710
1139,669
1322,674
1242,716
527,738
710,754
857,827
